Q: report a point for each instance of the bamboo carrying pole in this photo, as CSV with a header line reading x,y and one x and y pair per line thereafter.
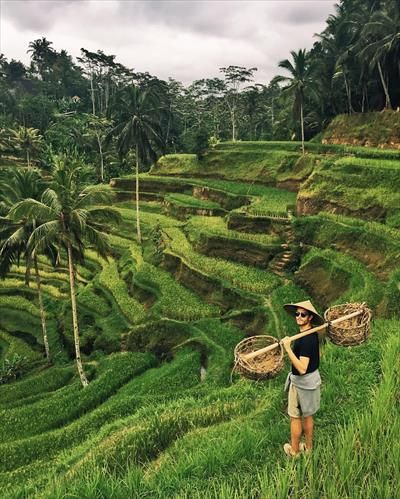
x,y
251,355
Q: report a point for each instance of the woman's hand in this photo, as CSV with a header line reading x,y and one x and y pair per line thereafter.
x,y
285,342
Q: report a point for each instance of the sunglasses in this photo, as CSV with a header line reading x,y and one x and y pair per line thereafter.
x,y
301,314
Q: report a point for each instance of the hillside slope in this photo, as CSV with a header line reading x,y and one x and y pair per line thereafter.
x,y
224,249
365,129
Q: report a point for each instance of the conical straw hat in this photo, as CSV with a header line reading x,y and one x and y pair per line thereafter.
x,y
307,305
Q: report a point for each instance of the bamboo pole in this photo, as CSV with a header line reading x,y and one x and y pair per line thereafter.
x,y
251,355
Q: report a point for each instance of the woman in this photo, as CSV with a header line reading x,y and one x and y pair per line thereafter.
x,y
303,382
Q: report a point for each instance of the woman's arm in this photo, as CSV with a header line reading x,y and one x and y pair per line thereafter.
x,y
300,364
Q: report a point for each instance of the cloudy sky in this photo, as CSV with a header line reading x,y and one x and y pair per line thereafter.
x,y
182,39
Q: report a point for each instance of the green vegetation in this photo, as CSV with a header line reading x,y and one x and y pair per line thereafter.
x,y
275,202
332,277
216,226
184,200
240,276
374,244
161,418
230,164
151,298
366,129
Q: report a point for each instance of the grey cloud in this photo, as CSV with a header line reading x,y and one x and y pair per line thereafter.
x,y
35,14
185,40
310,14
224,17
195,16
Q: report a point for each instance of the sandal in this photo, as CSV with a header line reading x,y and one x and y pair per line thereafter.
x,y
304,448
288,450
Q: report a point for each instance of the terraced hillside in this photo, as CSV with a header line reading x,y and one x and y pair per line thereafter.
x,y
228,240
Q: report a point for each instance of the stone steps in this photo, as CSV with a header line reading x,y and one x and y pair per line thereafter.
x,y
279,264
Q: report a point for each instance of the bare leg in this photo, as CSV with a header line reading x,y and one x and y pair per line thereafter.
x,y
295,432
308,427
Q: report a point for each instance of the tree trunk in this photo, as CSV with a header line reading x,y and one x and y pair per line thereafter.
x,y
348,93
27,272
272,114
302,126
42,311
137,197
233,125
28,159
363,101
92,93
168,126
101,155
388,104
107,94
79,365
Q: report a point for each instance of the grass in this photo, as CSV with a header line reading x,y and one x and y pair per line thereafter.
x,y
354,282
366,188
42,383
216,226
11,347
179,428
110,279
276,201
184,200
231,164
374,244
173,300
370,129
243,277
222,453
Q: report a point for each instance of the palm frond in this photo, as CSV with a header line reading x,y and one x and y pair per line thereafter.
x,y
30,209
98,239
95,195
45,235
104,214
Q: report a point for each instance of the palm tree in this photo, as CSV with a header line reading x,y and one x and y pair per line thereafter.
x,y
337,41
14,236
42,54
137,127
380,42
71,217
27,140
300,79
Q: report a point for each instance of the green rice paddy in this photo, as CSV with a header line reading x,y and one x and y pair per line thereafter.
x,y
159,323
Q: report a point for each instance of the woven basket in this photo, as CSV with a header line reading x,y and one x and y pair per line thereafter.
x,y
264,366
350,332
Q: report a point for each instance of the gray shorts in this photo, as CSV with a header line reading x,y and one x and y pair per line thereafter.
x,y
303,402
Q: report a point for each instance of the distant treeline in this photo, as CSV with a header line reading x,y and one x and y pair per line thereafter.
x,y
353,66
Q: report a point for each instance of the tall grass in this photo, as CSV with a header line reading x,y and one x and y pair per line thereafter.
x,y
241,276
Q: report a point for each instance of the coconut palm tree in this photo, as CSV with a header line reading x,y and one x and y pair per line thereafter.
x,y
27,140
42,54
14,235
300,80
379,43
137,127
71,217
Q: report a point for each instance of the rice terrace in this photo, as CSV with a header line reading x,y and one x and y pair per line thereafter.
x,y
200,280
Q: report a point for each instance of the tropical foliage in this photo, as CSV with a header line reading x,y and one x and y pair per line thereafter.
x,y
68,215
75,104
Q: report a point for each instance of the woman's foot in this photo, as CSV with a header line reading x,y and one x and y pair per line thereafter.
x,y
304,448
288,449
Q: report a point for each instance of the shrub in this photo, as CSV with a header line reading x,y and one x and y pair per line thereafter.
x,y
13,368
